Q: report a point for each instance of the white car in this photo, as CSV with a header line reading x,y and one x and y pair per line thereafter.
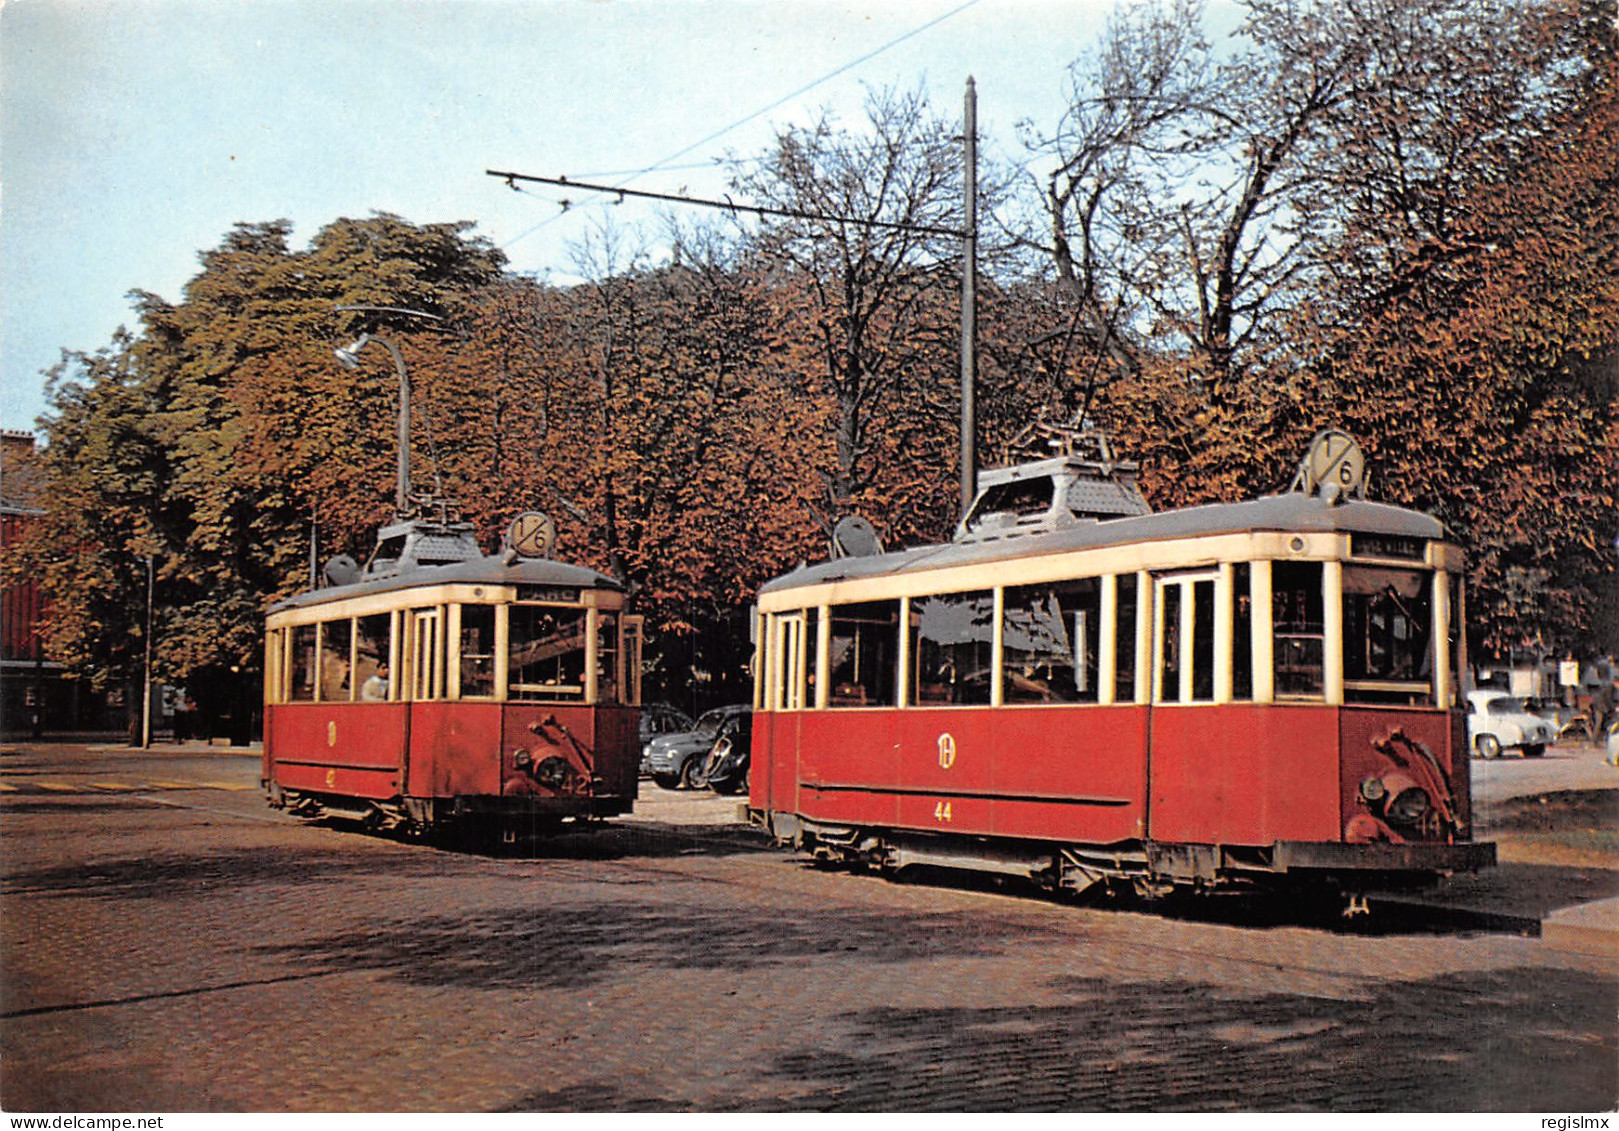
x,y
1497,721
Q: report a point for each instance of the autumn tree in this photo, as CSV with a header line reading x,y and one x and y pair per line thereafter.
x,y
1385,215
249,429
1471,330
690,445
871,240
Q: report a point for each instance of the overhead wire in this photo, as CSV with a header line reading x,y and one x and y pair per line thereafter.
x,y
664,164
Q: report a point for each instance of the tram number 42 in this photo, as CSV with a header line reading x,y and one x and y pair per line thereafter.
x,y
941,812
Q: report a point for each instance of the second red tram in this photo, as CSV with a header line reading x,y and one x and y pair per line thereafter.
x,y
1083,692
441,686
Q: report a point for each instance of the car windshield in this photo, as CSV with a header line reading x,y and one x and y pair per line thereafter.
x,y
709,724
1505,706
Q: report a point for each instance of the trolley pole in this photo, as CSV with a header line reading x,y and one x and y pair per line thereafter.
x,y
969,301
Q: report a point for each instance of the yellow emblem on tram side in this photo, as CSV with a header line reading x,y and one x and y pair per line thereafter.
x,y
947,751
331,733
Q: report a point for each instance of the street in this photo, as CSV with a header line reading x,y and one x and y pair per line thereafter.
x,y
170,944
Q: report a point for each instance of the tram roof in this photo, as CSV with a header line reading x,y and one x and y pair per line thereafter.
x,y
1295,512
491,570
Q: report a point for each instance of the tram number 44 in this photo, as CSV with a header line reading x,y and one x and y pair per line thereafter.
x,y
941,812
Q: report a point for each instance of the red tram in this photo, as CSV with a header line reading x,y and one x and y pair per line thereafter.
x,y
1083,692
440,686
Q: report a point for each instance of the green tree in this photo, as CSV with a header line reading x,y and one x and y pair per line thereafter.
x,y
215,438
106,518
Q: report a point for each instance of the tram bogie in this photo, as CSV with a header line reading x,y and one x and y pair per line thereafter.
x,y
1081,692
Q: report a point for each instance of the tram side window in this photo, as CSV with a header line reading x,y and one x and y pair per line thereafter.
x,y
1051,636
606,658
547,656
812,628
1296,612
372,637
952,648
477,651
301,687
335,639
1124,654
1458,661
864,654
1388,628
1242,631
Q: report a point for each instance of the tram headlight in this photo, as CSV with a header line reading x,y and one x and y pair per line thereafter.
x,y
1372,790
1408,806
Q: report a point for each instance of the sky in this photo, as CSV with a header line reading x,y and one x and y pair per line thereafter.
x,y
134,134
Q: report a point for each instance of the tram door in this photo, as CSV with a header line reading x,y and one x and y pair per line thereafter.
x,y
789,681
1183,639
776,733
426,678
1184,781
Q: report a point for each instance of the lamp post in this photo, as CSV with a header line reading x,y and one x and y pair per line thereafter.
x,y
349,357
146,677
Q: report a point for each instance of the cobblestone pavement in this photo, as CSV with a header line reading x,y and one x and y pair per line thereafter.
x,y
168,944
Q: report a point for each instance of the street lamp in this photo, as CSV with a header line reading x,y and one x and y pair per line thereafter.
x,y
349,357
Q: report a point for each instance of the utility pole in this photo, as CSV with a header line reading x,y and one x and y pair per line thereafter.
x,y
969,301
146,678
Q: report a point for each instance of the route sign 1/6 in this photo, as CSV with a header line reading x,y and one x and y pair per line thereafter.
x,y
531,534
1335,467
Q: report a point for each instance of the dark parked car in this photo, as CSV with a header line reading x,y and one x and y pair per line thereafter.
x,y
660,718
725,767
672,759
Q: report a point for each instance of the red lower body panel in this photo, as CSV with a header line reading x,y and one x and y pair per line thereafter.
x,y
1071,773
1232,775
532,757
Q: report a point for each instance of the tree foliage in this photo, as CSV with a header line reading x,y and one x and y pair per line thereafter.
x,y
1395,217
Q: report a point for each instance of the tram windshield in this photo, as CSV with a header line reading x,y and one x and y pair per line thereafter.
x,y
547,655
1388,635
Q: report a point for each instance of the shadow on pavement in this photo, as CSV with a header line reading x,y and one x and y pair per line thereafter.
x,y
572,945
